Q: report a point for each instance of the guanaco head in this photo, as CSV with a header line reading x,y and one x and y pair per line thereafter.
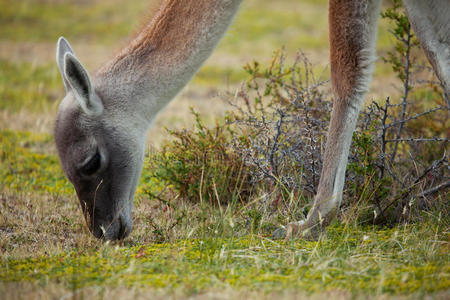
x,y
99,153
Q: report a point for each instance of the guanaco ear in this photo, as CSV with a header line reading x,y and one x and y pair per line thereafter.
x,y
80,84
62,47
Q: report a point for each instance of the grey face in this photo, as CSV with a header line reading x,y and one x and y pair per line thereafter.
x,y
100,157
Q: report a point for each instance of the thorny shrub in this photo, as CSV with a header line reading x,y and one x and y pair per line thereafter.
x,y
271,144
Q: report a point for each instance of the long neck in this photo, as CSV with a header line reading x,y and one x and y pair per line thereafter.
x,y
162,59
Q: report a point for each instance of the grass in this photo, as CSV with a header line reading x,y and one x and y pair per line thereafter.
x,y
26,167
37,20
37,88
208,248
360,260
24,85
258,23
216,75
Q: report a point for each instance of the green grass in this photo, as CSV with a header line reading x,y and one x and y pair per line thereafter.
x,y
37,20
24,165
209,248
401,260
38,88
269,27
30,87
211,75
259,27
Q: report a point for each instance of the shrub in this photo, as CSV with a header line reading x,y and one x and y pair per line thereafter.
x,y
273,137
199,165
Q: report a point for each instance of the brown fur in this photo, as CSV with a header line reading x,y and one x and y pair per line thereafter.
x,y
171,33
345,44
348,40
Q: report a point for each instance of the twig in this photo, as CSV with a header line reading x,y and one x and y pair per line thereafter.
x,y
158,197
383,133
433,166
434,189
416,116
435,139
407,42
276,142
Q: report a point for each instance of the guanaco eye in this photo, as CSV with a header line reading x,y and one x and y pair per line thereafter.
x,y
92,165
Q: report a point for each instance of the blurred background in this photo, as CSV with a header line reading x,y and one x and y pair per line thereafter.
x,y
31,87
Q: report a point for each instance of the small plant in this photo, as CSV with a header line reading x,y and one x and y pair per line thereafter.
x,y
200,166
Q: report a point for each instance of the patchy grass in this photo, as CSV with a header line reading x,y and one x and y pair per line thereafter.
x,y
260,27
24,165
28,86
107,22
38,20
201,247
38,88
402,260
216,75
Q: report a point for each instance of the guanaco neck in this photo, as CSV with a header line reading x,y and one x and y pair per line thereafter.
x,y
162,59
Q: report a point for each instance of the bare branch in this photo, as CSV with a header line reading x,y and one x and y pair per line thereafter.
x,y
416,116
434,139
435,189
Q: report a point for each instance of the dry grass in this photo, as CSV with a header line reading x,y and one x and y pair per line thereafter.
x,y
24,291
35,225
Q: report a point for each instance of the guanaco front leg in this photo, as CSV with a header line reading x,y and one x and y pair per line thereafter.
x,y
352,31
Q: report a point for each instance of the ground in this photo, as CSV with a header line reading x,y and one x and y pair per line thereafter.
x,y
192,250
